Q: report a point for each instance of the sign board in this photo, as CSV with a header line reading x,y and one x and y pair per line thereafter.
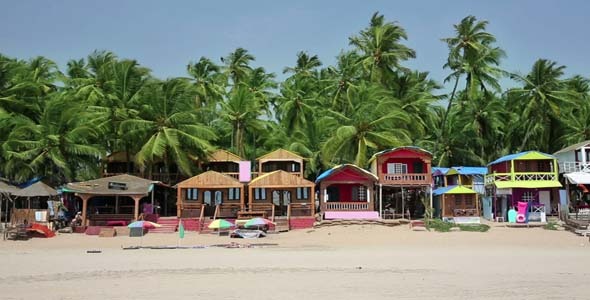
x,y
117,186
245,173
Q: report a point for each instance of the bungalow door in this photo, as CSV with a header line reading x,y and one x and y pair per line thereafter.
x,y
281,200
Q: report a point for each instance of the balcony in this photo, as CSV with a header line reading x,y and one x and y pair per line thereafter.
x,y
574,166
545,176
409,179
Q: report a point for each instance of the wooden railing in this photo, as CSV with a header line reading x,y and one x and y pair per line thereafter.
x,y
192,210
300,210
406,178
267,208
353,206
574,166
539,176
226,210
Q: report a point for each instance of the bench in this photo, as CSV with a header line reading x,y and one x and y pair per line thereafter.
x,y
243,215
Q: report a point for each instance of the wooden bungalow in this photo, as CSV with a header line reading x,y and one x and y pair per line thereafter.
x,y
223,161
281,159
529,176
455,201
210,194
112,199
6,201
347,192
281,194
471,177
405,180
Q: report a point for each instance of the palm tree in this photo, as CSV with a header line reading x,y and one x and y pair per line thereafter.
x,y
237,65
241,110
208,81
296,105
541,100
472,54
305,66
167,128
61,147
380,48
372,121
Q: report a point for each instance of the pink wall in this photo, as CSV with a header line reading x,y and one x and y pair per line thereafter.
x,y
408,161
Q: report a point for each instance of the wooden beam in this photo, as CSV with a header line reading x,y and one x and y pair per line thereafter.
x,y
312,197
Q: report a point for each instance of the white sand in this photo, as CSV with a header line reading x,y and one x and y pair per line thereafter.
x,y
356,262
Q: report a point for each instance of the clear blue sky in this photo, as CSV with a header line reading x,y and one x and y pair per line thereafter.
x,y
166,35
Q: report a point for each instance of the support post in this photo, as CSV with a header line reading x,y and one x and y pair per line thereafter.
x,y
136,207
84,208
431,202
117,204
312,200
403,204
242,198
381,200
178,202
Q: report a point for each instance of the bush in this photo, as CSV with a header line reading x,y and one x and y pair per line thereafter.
x,y
474,227
550,226
439,225
442,226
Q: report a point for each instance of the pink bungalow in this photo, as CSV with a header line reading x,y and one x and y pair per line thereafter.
x,y
347,192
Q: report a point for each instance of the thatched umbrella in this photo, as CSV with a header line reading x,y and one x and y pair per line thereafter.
x,y
5,191
37,189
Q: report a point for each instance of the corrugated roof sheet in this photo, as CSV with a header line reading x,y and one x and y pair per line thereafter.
x,y
520,155
573,147
471,170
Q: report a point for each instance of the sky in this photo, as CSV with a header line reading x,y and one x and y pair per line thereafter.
x,y
166,35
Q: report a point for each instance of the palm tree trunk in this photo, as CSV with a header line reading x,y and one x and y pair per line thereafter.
x,y
446,115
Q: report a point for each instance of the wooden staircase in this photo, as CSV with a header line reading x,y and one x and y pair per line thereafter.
x,y
281,224
169,225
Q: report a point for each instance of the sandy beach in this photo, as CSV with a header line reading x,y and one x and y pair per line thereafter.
x,y
368,262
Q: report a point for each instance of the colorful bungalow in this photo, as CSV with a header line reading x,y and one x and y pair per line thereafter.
x,y
529,176
281,194
281,159
404,179
439,176
347,192
574,171
471,177
210,195
456,202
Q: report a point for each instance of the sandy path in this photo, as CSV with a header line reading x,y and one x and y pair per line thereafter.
x,y
337,263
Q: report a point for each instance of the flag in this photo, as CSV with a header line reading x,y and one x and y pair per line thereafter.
x,y
180,229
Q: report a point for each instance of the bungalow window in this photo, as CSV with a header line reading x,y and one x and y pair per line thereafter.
x,y
191,194
295,167
302,193
234,194
397,168
362,193
469,202
458,202
259,194
218,197
527,196
207,197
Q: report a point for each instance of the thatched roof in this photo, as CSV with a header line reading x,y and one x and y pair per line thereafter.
x,y
210,179
127,185
7,188
280,154
223,155
37,189
280,178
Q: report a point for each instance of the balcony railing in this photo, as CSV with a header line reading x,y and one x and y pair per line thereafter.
x,y
406,179
574,166
468,212
353,206
491,178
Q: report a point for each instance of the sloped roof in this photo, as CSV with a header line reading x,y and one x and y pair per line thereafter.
x,y
453,189
135,186
7,188
224,155
279,178
573,147
578,177
411,148
468,171
280,154
527,155
437,171
37,189
119,156
339,168
210,179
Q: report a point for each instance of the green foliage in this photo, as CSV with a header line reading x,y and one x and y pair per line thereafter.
x,y
62,124
442,226
550,226
474,227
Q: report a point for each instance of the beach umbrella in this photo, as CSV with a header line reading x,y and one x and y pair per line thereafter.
x,y
257,222
220,224
144,225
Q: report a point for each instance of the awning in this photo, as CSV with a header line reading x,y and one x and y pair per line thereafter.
x,y
527,184
578,177
453,189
